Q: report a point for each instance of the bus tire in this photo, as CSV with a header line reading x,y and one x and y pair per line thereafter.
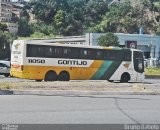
x,y
64,76
50,76
125,78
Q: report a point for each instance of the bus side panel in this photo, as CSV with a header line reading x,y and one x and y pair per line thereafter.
x,y
79,73
106,70
86,73
98,70
125,66
101,70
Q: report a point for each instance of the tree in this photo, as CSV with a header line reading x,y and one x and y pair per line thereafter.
x,y
108,39
95,9
6,40
45,10
76,17
59,21
41,27
117,19
24,27
158,31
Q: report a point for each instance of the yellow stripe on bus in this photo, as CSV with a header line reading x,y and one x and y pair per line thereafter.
x,y
38,72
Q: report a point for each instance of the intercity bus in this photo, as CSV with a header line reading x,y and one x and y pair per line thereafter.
x,y
42,60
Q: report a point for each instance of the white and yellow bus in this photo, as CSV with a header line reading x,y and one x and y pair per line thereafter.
x,y
41,60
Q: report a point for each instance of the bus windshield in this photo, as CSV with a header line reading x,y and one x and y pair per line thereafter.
x,y
138,62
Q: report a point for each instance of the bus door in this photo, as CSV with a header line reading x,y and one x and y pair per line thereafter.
x,y
138,65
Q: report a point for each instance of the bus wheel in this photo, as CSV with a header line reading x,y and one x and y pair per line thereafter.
x,y
50,76
125,78
64,76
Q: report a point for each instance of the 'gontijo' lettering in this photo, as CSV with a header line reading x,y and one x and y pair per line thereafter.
x,y
71,62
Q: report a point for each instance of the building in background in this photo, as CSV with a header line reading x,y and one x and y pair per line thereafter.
x,y
9,11
149,44
19,1
5,11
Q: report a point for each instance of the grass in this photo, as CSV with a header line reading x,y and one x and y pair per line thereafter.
x,y
71,86
5,86
152,71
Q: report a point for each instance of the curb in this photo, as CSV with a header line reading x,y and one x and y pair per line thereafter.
x,y
63,93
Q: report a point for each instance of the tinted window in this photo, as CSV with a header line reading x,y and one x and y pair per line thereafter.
x,y
49,51
83,54
74,53
32,51
57,52
99,55
35,51
41,51
113,55
66,52
138,62
91,54
88,53
127,55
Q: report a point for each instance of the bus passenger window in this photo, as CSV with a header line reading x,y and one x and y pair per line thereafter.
x,y
83,54
57,52
91,54
99,55
49,52
32,50
66,52
110,55
40,51
74,54
106,54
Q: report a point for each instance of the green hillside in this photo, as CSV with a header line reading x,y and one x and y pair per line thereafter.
x,y
76,17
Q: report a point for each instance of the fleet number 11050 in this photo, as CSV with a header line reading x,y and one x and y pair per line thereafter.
x,y
40,61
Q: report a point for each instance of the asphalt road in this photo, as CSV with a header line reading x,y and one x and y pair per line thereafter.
x,y
89,109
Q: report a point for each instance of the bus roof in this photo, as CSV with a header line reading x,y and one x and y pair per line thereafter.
x,y
49,42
